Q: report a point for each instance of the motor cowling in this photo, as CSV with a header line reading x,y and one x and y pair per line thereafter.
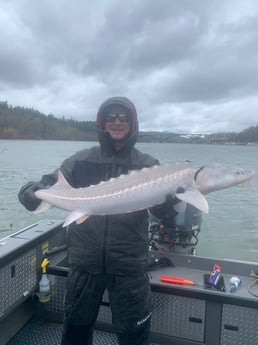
x,y
180,236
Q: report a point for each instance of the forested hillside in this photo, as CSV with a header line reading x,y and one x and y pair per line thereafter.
x,y
25,123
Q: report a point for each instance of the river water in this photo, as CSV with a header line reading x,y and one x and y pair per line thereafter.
x,y
230,230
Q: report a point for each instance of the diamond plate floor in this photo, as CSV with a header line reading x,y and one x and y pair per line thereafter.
x,y
42,333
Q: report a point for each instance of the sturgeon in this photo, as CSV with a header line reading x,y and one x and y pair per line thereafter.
x,y
141,189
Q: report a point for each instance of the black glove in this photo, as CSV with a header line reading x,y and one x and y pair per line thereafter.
x,y
165,210
27,195
169,209
179,205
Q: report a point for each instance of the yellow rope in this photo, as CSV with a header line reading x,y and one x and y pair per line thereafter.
x,y
252,274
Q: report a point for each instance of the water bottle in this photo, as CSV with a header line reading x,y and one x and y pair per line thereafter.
x,y
44,284
234,283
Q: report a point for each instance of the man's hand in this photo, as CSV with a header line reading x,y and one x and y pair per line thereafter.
x,y
179,205
27,195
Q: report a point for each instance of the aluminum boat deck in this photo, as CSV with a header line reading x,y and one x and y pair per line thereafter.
x,y
182,314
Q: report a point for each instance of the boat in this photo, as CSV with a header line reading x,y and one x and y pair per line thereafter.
x,y
188,307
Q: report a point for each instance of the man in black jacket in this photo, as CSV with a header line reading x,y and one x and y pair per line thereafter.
x,y
105,252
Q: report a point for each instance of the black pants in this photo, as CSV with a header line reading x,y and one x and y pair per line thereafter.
x,y
130,301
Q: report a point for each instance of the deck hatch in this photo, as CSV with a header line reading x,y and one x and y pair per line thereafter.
x,y
239,325
18,279
178,316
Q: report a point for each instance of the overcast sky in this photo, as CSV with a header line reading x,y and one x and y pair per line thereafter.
x,y
188,66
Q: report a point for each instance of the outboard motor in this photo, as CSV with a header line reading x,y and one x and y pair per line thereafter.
x,y
181,237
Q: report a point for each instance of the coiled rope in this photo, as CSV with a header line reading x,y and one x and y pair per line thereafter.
x,y
251,285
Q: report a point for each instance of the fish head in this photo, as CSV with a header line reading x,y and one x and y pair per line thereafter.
x,y
215,177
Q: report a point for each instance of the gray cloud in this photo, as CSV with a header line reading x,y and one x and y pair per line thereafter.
x,y
189,66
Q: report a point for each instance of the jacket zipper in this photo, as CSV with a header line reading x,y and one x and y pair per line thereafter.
x,y
104,246
115,171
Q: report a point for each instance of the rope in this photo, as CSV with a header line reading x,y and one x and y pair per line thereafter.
x,y
250,286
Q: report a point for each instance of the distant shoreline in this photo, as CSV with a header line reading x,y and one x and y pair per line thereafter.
x,y
19,123
138,141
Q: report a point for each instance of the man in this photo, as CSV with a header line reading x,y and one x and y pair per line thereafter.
x,y
106,252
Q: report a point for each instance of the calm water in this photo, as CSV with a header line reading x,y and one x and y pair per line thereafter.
x,y
230,230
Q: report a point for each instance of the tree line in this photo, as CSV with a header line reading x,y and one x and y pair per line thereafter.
x,y
27,123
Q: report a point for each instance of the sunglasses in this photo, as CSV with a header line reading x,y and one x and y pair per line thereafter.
x,y
122,117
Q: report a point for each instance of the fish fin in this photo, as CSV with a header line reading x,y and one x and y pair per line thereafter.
x,y
195,198
43,206
180,207
77,216
61,181
82,219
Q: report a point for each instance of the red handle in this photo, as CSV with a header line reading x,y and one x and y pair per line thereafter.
x,y
175,280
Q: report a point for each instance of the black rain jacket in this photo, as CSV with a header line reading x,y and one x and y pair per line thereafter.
x,y
114,244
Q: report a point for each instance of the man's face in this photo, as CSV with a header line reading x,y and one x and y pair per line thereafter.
x,y
116,123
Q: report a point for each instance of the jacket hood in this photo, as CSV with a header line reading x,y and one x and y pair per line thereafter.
x,y
104,137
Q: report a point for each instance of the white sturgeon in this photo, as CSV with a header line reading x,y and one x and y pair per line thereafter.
x,y
141,189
